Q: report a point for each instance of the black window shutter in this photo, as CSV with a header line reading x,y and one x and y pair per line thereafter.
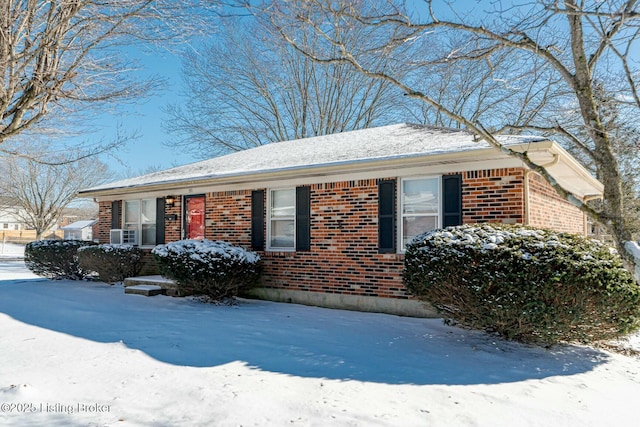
x,y
387,216
257,220
303,219
452,200
115,215
160,221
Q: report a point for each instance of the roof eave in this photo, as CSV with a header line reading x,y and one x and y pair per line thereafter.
x,y
303,171
592,186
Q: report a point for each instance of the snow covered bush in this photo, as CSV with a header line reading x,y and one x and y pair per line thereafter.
x,y
525,284
113,263
216,269
56,259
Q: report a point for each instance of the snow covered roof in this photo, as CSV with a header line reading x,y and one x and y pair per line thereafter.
x,y
342,150
79,225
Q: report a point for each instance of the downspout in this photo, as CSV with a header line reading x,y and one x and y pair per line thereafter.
x,y
527,202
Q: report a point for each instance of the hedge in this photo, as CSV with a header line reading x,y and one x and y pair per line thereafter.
x,y
113,263
215,269
56,259
525,284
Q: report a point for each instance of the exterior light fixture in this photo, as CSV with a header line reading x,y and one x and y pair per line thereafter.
x,y
169,201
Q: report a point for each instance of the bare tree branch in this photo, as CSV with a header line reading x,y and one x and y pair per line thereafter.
x,y
275,93
62,57
569,46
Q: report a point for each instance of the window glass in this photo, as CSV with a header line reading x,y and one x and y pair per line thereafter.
x,y
148,211
148,234
420,200
283,203
282,212
420,196
131,213
140,215
415,225
282,234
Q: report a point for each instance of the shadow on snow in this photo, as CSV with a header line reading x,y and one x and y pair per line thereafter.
x,y
286,338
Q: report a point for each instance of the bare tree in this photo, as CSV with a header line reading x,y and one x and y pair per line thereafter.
x,y
42,192
249,87
548,55
60,58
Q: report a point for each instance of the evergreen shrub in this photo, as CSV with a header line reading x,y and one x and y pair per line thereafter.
x,y
529,285
215,269
113,263
56,259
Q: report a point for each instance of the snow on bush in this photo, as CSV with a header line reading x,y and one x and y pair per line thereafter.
x,y
216,269
113,263
525,284
56,259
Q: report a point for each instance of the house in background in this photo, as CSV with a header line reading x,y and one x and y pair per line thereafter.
x,y
79,230
9,219
331,215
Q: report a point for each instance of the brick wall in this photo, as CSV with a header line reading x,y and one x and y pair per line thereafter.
x,y
344,242
149,264
344,254
547,209
495,195
228,217
173,228
104,222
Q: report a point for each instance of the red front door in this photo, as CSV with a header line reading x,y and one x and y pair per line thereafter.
x,y
194,217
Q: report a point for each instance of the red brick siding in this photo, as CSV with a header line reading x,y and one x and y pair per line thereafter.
x,y
495,195
228,217
547,209
344,254
149,265
344,242
173,228
104,222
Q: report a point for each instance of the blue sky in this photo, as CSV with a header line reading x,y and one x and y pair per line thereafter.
x,y
145,118
151,149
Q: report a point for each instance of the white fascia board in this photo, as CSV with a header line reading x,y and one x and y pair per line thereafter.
x,y
567,171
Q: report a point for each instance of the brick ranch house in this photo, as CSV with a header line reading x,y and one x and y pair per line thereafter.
x,y
331,215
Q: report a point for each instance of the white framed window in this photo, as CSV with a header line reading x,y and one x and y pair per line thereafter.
x,y
419,207
281,219
140,215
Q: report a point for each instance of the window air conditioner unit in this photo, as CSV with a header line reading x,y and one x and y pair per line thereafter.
x,y
123,237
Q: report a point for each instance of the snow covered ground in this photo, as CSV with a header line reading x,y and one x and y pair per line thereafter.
x,y
11,250
86,354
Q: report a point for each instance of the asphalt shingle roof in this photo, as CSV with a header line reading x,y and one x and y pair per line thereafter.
x,y
388,142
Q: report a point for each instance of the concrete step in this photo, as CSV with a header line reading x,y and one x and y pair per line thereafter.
x,y
146,290
149,280
168,286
